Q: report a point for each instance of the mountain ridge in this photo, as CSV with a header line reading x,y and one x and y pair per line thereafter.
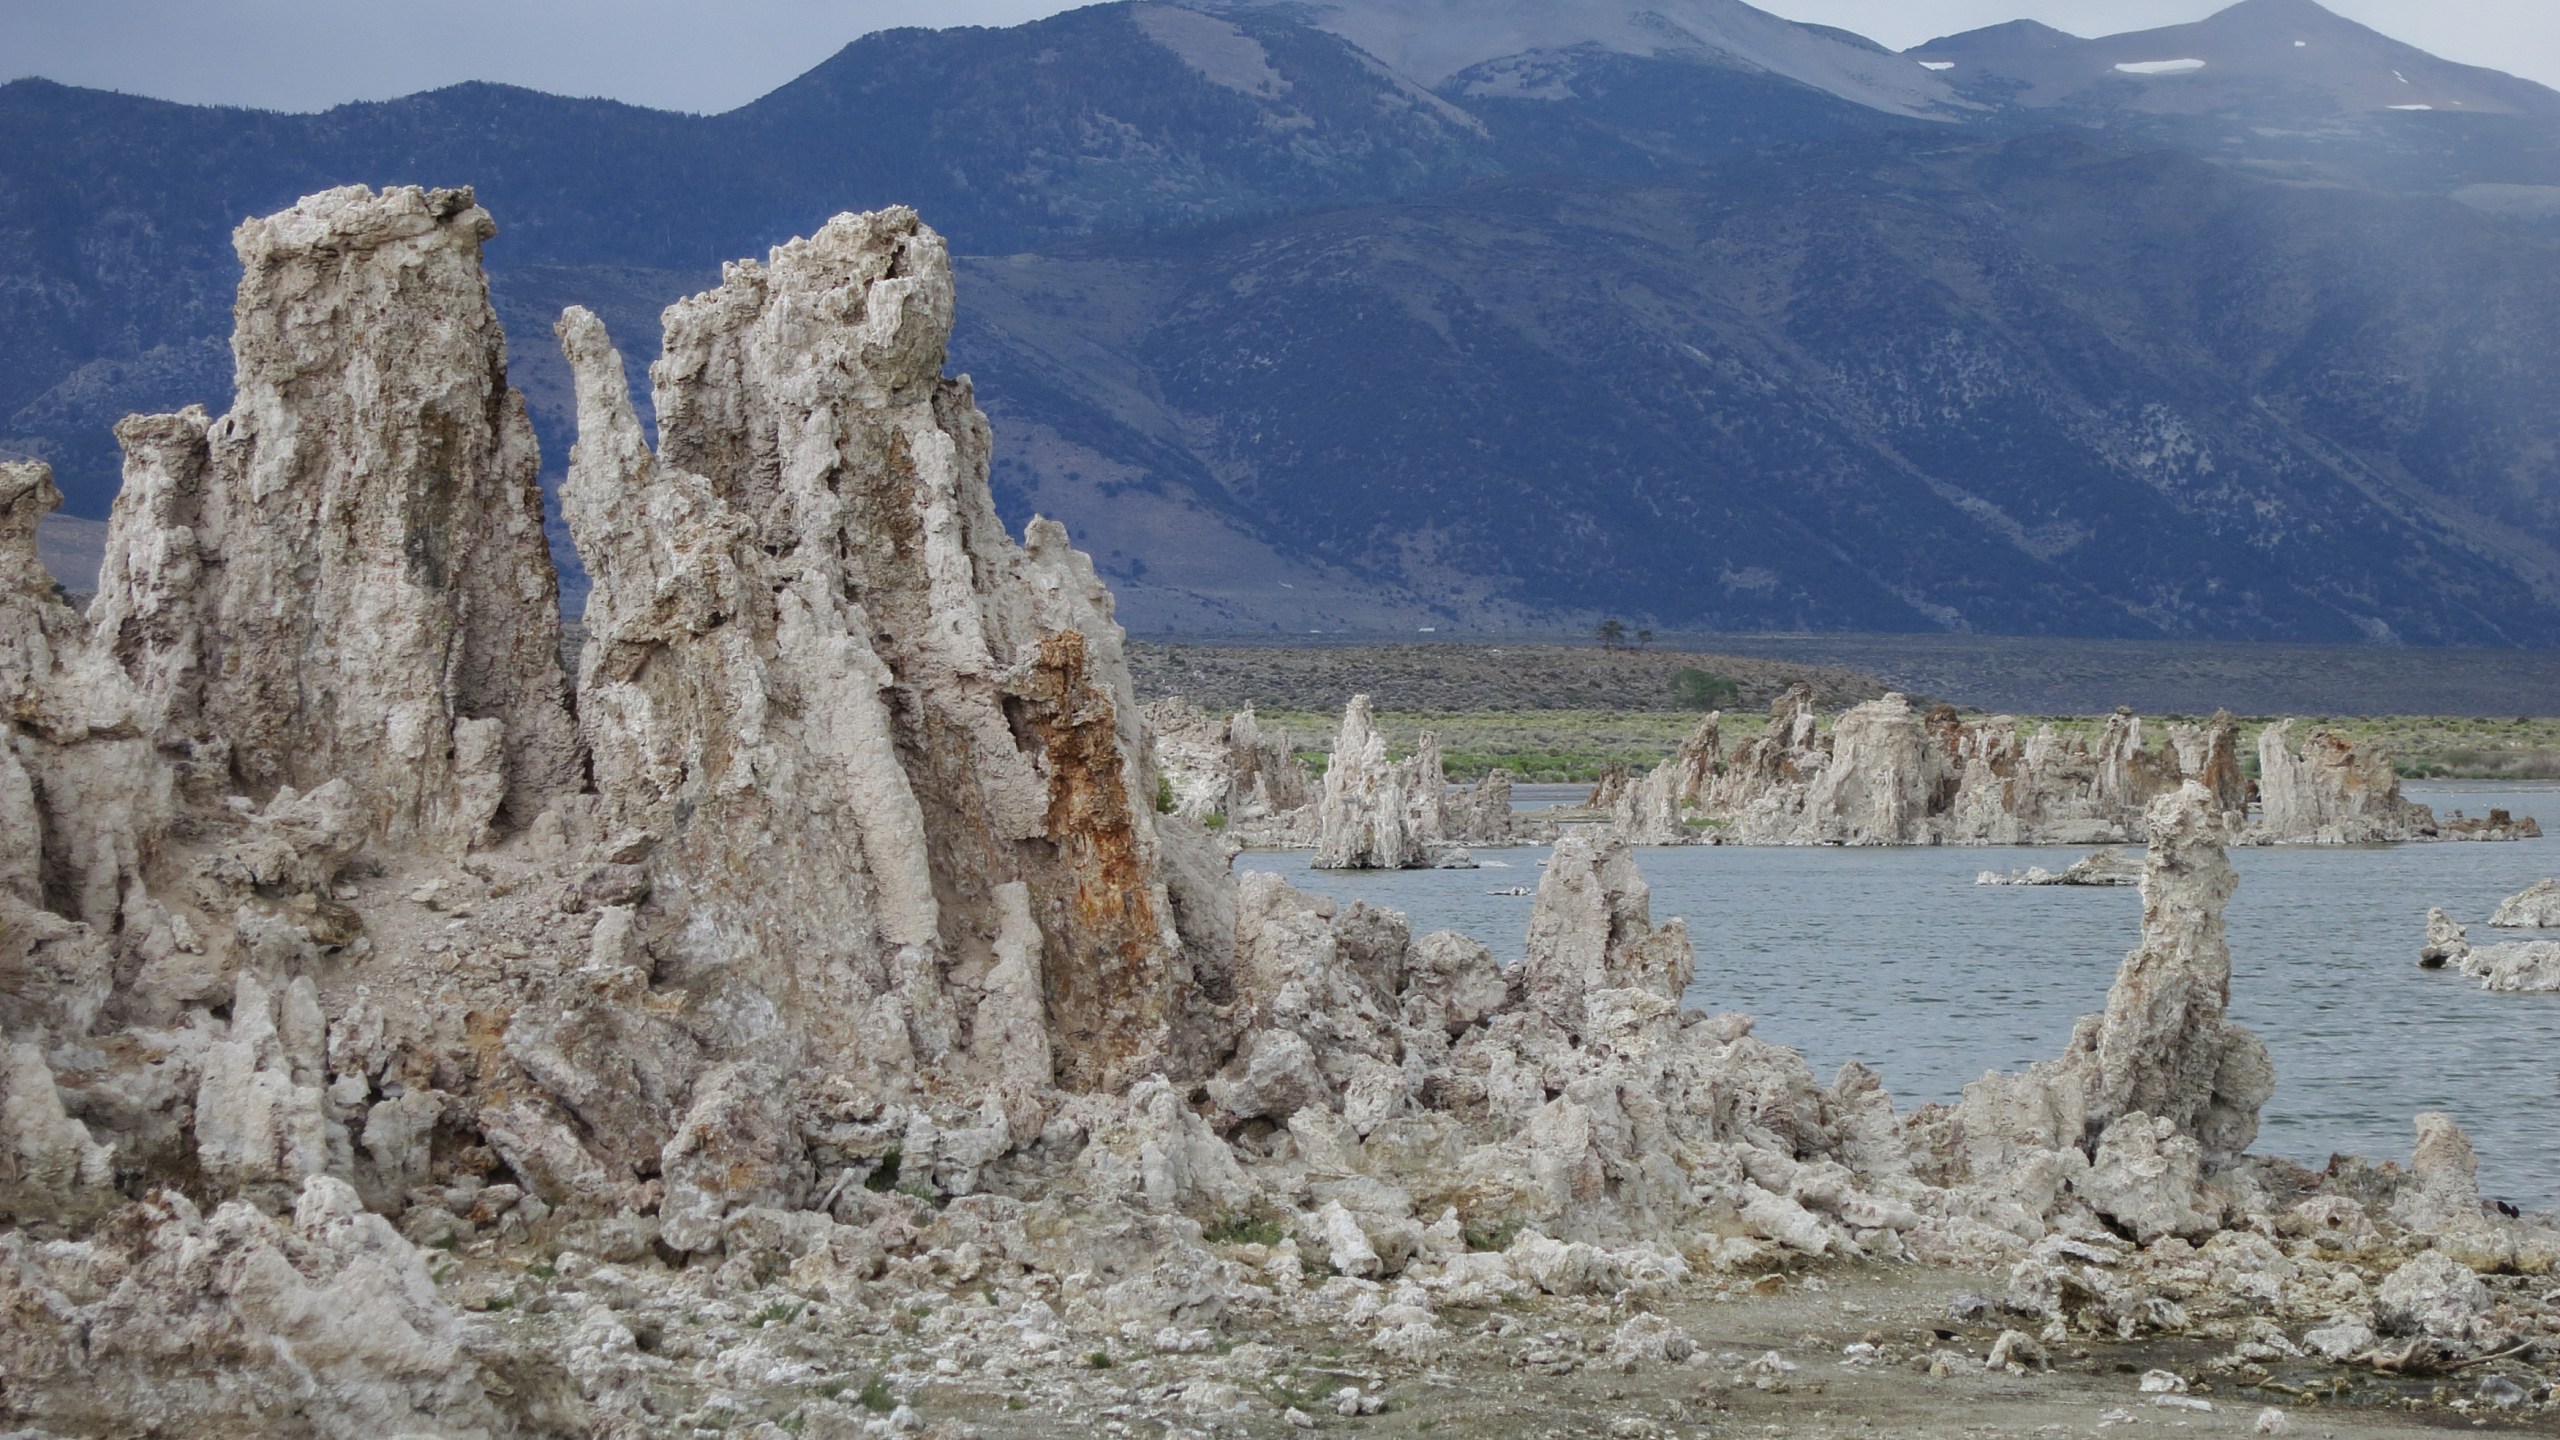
x,y
2297,44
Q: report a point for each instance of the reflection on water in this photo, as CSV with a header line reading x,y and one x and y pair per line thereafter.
x,y
1897,958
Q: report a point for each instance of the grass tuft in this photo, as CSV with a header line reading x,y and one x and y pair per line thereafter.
x,y
1244,1230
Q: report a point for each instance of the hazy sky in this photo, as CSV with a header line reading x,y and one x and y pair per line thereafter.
x,y
715,54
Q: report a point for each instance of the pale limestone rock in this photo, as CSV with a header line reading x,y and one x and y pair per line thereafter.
x,y
815,539
2332,791
1876,788
1657,809
735,1146
50,1168
328,1325
1276,1077
2342,1339
2537,906
1573,1267
1265,774
1480,814
2442,1197
1592,930
1368,817
1453,982
2209,754
36,627
2522,967
2163,1048
1425,783
2149,1179
56,975
1011,1033
1779,1218
1235,775
1345,1245
392,499
83,798
260,1121
594,1043
1190,752
399,1148
2107,867
2433,1295
2447,941
2531,967
1649,1340
1151,1144
872,864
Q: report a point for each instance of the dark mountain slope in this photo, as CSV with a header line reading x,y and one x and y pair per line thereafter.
x,y
1593,112
1850,388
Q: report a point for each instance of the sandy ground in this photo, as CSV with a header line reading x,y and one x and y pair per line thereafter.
x,y
1774,1360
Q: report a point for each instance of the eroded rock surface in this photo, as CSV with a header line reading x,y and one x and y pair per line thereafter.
x,y
2536,907
2332,791
2517,967
345,576
1370,819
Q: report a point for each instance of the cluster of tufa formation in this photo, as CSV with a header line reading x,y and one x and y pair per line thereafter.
x,y
1368,813
2332,791
2518,967
1885,773
817,1004
1233,775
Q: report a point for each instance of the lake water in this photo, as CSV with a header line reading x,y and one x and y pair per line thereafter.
x,y
1895,957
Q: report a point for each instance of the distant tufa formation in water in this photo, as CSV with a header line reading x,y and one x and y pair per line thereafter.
x,y
1368,813
398,1041
1886,773
2516,967
1883,773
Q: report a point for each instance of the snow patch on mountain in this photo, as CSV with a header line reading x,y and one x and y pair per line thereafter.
x,y
1223,54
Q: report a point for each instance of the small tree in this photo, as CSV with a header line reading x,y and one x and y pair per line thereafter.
x,y
1695,689
1644,637
1612,633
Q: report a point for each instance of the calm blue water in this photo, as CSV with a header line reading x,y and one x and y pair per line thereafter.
x,y
1897,958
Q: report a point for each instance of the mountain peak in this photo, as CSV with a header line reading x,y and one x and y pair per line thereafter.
x,y
1434,40
2285,61
2010,35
